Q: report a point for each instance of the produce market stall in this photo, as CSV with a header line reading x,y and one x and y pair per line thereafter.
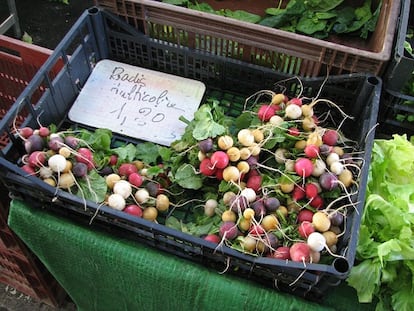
x,y
103,271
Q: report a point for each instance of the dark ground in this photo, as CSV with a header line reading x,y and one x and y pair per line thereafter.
x,y
46,22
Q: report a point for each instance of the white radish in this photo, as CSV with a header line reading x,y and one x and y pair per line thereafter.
x,y
116,201
123,188
57,163
293,112
316,241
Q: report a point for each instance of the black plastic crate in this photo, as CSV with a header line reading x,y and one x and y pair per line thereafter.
x,y
100,35
396,114
401,66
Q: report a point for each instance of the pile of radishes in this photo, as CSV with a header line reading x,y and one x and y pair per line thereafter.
x,y
290,181
65,161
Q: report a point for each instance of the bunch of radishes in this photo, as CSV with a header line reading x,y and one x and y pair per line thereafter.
x,y
292,181
65,161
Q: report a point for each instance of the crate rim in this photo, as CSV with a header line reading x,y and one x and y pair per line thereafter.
x,y
383,55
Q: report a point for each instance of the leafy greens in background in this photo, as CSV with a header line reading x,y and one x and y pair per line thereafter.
x,y
317,18
384,271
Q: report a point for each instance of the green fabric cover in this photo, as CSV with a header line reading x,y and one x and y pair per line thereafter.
x,y
101,272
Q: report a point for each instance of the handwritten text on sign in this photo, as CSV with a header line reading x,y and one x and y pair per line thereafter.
x,y
137,102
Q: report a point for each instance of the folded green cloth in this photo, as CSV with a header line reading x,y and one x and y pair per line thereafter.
x,y
102,271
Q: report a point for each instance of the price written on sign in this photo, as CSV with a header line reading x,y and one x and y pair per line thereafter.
x,y
137,102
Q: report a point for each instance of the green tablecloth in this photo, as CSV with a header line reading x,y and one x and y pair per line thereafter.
x,y
101,272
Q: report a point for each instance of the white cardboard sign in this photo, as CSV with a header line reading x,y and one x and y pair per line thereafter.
x,y
137,102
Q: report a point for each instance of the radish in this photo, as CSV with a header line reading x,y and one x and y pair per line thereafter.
x,y
150,213
270,222
317,202
80,169
312,151
295,101
316,241
233,153
34,143
321,222
28,169
142,195
228,230
219,159
111,179
66,181
225,142
205,145
311,190
293,112
282,252
214,238
162,202
305,228
55,142
25,132
300,251
332,158
231,173
210,207
328,181
280,155
265,112
330,137
249,193
276,120
85,155
126,169
305,215
135,179
278,99
271,204
294,131
256,230
245,137
57,163
207,168
298,193
37,159
229,215
259,209
133,209
123,188
43,131
239,203
116,201
249,244
303,167
71,141
319,167
346,178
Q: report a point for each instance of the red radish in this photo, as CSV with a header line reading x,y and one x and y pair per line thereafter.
x,y
300,251
294,131
214,238
228,230
219,174
256,230
206,167
126,169
311,190
282,252
37,159
28,169
305,228
305,215
25,132
298,193
85,155
312,151
317,202
266,112
296,101
330,137
135,179
113,159
254,182
219,159
133,209
44,131
303,167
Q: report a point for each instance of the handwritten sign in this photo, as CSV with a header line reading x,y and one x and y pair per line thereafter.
x,y
137,102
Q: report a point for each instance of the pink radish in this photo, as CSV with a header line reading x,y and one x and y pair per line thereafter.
x,y
300,251
219,159
206,167
303,167
330,137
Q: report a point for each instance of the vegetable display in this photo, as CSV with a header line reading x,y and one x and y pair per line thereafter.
x,y
317,18
277,180
384,271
